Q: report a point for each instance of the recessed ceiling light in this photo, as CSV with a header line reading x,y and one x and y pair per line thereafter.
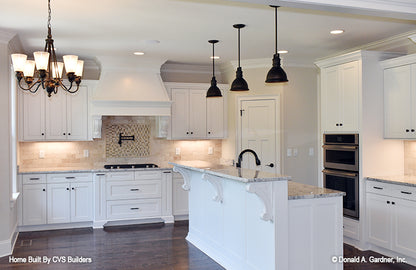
x,y
215,57
337,31
138,53
283,51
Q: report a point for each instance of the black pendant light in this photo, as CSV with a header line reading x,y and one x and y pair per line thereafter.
x,y
276,74
213,91
239,84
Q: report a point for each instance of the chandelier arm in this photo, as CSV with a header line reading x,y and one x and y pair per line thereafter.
x,y
30,86
64,86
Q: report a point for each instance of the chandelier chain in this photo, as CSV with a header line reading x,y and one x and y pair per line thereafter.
x,y
49,13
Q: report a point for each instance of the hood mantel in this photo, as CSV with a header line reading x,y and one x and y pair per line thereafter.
x,y
135,90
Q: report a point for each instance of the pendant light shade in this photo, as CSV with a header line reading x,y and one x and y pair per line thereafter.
x,y
213,91
276,74
239,84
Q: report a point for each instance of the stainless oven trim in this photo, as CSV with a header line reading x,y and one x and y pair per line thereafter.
x,y
352,175
330,143
348,167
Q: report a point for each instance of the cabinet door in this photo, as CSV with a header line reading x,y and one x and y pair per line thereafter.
x,y
33,115
403,227
379,220
197,113
215,118
180,197
56,116
180,113
77,115
330,99
398,102
349,102
81,201
59,196
34,204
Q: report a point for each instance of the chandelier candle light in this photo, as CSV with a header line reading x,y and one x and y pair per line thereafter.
x,y
49,70
213,91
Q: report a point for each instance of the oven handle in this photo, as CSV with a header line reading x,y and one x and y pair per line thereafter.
x,y
346,147
338,173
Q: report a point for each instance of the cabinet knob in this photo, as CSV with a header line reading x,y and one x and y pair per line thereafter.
x,y
337,124
209,132
192,132
407,130
67,188
412,130
393,203
43,134
340,124
73,188
69,134
388,202
64,133
43,189
187,132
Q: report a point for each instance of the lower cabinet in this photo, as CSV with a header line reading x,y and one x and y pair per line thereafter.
x,y
180,196
34,204
391,217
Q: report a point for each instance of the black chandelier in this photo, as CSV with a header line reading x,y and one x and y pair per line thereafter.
x,y
48,72
239,84
213,91
276,74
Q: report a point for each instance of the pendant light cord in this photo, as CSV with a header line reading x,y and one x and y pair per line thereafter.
x,y
275,28
238,47
213,59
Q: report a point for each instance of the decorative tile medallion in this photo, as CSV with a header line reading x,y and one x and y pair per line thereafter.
x,y
127,140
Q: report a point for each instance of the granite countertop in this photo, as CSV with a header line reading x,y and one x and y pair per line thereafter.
x,y
297,191
404,180
231,172
81,170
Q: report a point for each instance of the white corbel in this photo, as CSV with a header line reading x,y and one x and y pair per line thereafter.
x,y
263,190
216,183
186,177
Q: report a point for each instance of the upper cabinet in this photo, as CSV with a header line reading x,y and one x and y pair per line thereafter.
x,y
62,117
193,115
340,88
400,97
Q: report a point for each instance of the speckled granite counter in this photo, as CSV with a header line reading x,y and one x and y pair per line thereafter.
x,y
404,180
81,170
296,191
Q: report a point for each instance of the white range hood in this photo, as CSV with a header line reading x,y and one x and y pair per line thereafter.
x,y
133,90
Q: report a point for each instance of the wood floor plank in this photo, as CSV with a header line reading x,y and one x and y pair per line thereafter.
x,y
144,247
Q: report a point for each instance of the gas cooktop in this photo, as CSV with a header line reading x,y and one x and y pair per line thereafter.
x,y
131,166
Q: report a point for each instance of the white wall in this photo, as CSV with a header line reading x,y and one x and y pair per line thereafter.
x,y
299,117
8,214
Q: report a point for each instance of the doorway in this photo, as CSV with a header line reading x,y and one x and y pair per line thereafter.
x,y
259,130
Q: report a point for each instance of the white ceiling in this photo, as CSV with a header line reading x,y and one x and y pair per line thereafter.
x,y
96,28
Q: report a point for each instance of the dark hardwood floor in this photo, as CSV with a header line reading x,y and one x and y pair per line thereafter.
x,y
150,247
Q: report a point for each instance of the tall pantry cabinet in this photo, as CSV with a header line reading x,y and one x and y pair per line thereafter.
x,y
351,101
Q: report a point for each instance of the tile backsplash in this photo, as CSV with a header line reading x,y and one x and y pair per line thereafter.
x,y
410,157
152,150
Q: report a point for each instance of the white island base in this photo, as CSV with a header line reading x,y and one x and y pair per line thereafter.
x,y
243,222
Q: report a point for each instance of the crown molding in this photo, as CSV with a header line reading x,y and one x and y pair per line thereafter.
x,y
6,36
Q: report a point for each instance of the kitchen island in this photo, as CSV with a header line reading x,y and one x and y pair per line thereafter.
x,y
247,219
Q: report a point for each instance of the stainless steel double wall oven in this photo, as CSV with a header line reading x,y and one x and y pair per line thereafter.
x,y
341,163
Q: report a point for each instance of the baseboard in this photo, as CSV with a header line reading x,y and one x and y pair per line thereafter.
x,y
181,217
7,246
47,227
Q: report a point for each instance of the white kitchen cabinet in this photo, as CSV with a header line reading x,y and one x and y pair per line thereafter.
x,y
70,198
180,197
193,115
391,218
400,98
340,97
62,117
34,204
33,116
215,118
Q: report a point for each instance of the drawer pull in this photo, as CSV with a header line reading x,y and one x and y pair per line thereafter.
x,y
100,174
134,208
406,192
34,178
167,172
378,188
134,189
70,177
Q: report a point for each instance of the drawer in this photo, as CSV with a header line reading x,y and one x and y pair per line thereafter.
x,y
119,176
379,188
404,192
122,190
33,179
68,177
145,175
133,209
